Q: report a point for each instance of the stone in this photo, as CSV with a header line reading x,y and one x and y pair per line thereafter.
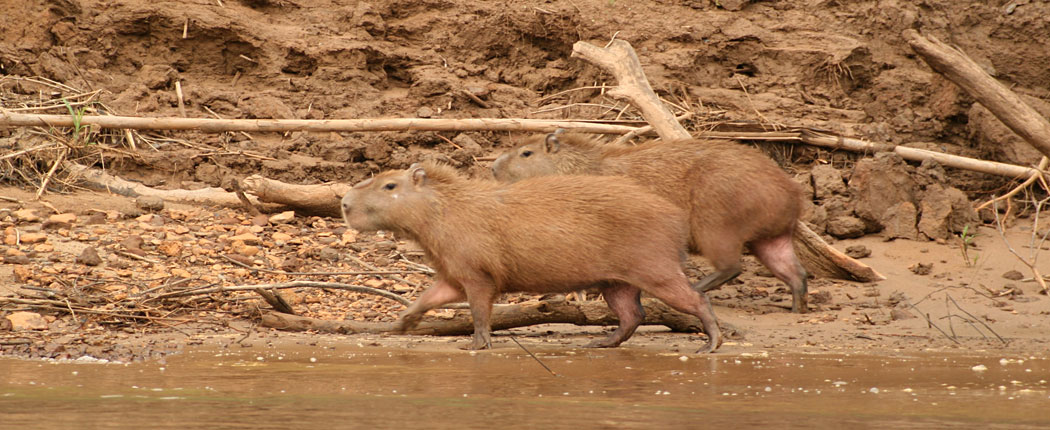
x,y
845,227
900,314
281,237
899,222
31,238
858,251
247,238
170,248
260,220
282,218
1013,275
132,242
16,259
26,215
921,269
733,5
89,257
963,216
27,321
150,203
827,181
878,184
936,208
67,218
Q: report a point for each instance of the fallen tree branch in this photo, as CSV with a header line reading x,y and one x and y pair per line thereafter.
x,y
97,179
321,199
210,125
503,317
1000,101
291,284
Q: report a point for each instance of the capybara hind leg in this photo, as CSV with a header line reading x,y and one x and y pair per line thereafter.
x,y
678,295
778,255
725,256
439,294
625,302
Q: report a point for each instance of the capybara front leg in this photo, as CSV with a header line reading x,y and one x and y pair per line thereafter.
x,y
481,295
439,294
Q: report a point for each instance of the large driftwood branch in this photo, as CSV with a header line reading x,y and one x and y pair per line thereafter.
x,y
99,180
283,125
503,317
320,199
620,60
1003,103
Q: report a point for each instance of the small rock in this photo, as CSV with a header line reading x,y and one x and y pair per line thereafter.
x,y
150,203
921,269
16,259
89,257
899,221
330,254
858,251
827,181
819,297
170,248
247,238
281,237
282,218
424,112
844,227
132,242
26,215
95,218
260,220
27,321
900,314
31,238
246,250
67,218
1013,275
291,264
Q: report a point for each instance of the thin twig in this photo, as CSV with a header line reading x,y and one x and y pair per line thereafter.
x,y
978,320
533,356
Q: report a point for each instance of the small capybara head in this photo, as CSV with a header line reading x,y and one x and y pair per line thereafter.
x,y
395,200
547,155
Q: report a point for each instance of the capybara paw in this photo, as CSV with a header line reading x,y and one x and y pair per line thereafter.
x,y
707,348
602,343
407,322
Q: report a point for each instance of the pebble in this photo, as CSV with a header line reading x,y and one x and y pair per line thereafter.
x,y
89,257
27,321
26,215
282,218
30,238
150,203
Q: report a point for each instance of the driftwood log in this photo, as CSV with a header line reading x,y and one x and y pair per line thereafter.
x,y
503,317
1003,103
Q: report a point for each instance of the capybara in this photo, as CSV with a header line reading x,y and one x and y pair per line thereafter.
x,y
734,195
543,235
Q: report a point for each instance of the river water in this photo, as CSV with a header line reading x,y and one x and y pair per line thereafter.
x,y
362,387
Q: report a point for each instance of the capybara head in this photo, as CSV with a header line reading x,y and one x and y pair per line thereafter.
x,y
552,154
396,199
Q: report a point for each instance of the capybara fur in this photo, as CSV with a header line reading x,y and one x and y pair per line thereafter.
x,y
734,195
549,234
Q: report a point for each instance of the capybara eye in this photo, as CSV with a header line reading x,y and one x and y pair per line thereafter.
x,y
526,153
390,186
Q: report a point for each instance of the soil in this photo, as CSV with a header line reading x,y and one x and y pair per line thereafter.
x,y
840,66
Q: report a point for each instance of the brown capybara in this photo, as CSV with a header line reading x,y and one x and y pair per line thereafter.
x,y
734,195
551,234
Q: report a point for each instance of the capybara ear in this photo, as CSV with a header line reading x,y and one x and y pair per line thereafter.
x,y
365,183
419,176
552,143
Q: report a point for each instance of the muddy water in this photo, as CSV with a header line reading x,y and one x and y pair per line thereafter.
x,y
372,387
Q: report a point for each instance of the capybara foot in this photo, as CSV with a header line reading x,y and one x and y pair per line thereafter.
x,y
407,322
601,343
709,347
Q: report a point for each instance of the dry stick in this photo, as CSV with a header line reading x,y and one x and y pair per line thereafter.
x,y
50,173
533,356
28,150
178,95
1003,103
1031,179
977,319
284,125
1031,265
281,272
931,324
292,284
